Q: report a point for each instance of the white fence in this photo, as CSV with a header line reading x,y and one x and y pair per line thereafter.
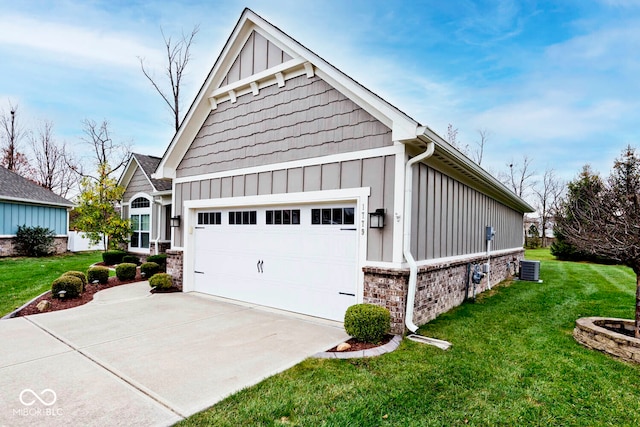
x,y
79,242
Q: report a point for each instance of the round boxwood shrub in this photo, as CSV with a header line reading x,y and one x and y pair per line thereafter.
x,y
80,275
70,284
113,257
99,273
148,269
161,281
126,271
131,259
160,259
367,322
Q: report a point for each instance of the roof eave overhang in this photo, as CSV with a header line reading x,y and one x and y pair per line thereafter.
x,y
469,169
36,202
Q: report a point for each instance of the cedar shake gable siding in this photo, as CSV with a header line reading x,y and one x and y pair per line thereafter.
x,y
306,118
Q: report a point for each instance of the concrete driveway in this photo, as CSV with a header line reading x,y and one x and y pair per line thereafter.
x,y
133,358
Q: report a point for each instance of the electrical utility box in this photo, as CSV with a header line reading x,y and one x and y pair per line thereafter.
x,y
530,270
490,233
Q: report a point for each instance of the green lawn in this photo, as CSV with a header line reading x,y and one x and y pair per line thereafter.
x,y
22,279
513,362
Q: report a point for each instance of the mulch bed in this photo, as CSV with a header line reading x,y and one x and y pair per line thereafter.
x,y
359,345
87,295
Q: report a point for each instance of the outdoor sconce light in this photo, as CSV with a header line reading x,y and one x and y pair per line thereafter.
x,y
376,219
175,221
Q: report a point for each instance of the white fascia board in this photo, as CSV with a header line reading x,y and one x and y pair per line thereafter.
x,y
127,173
333,158
402,125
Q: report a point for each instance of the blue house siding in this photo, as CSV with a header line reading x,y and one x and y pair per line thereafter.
x,y
14,214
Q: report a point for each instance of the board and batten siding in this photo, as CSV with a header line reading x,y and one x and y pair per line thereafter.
x,y
449,218
14,214
306,118
138,184
376,173
257,54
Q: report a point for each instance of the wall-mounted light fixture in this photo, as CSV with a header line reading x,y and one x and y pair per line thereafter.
x,y
376,219
175,221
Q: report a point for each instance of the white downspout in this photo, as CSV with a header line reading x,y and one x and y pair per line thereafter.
x,y
158,209
413,267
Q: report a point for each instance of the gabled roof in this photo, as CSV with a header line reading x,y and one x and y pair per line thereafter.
x,y
15,188
297,60
148,165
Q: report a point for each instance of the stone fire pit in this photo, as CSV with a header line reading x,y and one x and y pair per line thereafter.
x,y
609,335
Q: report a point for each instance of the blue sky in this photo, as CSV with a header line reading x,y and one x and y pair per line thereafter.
x,y
555,80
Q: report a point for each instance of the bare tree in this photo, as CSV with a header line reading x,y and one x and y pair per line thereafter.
x,y
519,177
178,56
478,153
548,195
106,151
452,139
12,133
51,160
605,219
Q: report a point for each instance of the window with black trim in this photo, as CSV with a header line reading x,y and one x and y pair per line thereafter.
x,y
327,216
242,217
283,217
209,218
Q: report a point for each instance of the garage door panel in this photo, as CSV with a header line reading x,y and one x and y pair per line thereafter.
x,y
306,268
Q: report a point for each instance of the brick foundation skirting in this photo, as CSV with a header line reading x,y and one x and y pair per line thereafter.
x,y
8,247
440,287
175,267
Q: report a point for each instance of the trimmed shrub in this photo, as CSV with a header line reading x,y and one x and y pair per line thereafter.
x,y
99,273
35,241
113,257
148,269
132,259
367,322
161,281
80,275
126,271
160,259
71,284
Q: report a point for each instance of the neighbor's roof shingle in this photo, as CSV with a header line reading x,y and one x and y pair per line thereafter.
x,y
149,165
16,188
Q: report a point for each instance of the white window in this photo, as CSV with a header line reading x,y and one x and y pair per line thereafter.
x,y
140,215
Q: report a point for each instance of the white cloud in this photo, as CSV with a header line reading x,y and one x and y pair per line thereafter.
x,y
84,46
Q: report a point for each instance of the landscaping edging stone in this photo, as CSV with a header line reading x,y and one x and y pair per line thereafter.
x,y
592,333
371,352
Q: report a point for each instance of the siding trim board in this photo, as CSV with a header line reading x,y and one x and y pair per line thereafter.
x,y
314,161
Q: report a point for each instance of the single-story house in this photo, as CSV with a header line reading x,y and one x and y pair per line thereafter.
x,y
23,202
147,203
295,187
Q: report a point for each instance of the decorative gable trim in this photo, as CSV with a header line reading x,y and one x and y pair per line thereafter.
x,y
214,91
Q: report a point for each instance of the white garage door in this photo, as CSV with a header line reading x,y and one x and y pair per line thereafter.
x,y
297,258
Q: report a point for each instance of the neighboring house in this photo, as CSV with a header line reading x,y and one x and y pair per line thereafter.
x,y
147,203
23,202
282,169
